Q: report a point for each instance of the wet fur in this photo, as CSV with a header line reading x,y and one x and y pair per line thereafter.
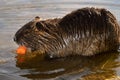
x,y
86,31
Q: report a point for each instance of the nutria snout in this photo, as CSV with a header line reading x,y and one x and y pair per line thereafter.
x,y
86,31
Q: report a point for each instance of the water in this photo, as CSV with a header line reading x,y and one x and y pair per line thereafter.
x,y
15,13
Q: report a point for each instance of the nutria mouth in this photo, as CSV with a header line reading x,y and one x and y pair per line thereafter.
x,y
86,31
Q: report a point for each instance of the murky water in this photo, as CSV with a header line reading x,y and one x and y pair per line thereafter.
x,y
15,13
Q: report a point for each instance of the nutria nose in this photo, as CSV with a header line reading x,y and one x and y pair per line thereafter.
x,y
14,38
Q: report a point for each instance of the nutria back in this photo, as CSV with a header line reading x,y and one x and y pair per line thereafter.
x,y
86,31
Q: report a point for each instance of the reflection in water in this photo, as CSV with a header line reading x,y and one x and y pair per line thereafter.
x,y
15,13
86,68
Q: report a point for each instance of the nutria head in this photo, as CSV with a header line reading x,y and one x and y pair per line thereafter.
x,y
37,34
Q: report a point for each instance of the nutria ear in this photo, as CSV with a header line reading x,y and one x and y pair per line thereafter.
x,y
39,25
37,19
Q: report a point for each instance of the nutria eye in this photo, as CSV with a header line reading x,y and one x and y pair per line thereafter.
x,y
39,25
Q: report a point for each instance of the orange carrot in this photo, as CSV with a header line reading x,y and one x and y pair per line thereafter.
x,y
21,50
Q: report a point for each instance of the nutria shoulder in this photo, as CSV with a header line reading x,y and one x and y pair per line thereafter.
x,y
86,31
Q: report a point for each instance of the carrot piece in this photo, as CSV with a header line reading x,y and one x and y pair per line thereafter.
x,y
21,50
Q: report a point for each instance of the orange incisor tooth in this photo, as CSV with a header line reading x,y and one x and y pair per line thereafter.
x,y
21,50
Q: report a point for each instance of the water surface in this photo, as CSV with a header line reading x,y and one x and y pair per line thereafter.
x,y
15,13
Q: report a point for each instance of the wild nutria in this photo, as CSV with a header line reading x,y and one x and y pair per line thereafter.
x,y
86,31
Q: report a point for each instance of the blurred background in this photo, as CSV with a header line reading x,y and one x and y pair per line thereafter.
x,y
15,13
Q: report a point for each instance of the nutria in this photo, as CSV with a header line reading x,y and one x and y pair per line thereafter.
x,y
86,31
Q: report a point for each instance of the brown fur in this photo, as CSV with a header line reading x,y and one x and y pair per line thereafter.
x,y
86,31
